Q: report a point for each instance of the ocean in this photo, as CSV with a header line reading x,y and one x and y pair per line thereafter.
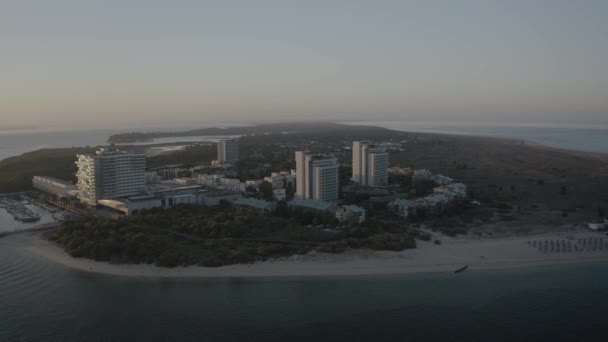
x,y
44,301
576,137
590,138
15,142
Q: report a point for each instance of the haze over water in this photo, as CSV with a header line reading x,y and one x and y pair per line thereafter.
x,y
590,138
583,138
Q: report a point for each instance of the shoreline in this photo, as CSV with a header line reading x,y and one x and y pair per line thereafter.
x,y
452,254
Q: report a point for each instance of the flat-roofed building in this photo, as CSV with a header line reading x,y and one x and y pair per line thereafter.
x,y
351,213
317,177
370,164
110,174
280,180
58,187
228,151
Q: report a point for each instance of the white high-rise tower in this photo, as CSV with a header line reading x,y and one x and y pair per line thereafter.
x,y
370,164
317,177
110,174
228,151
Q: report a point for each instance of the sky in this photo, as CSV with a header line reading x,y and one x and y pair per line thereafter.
x,y
111,63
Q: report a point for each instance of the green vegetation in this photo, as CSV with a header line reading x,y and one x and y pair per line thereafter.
x,y
16,173
215,236
193,155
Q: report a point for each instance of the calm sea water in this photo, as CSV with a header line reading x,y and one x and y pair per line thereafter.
x,y
43,301
18,141
575,137
594,139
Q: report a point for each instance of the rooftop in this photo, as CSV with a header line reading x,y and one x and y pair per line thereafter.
x,y
252,202
310,203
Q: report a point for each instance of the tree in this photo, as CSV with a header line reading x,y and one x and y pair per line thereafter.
x,y
289,191
266,190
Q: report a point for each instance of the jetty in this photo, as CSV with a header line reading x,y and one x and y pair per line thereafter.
x,y
462,269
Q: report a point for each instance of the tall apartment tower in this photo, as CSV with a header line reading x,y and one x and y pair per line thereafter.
x,y
370,164
110,174
316,177
228,151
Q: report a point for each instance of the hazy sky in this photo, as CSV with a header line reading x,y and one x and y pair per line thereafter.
x,y
107,63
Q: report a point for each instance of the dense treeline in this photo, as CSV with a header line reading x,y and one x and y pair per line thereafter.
x,y
192,155
16,173
215,236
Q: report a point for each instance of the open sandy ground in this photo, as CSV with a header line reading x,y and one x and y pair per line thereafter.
x,y
452,254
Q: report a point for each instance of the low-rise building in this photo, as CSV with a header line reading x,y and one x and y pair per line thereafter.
x,y
58,187
403,207
311,204
185,181
422,175
253,183
442,198
350,213
169,194
153,178
256,204
280,180
219,181
400,171
598,224
279,194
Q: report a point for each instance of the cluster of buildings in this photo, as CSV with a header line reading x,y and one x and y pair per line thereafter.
x,y
118,180
444,196
420,175
598,224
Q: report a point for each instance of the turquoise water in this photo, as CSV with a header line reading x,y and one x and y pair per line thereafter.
x,y
43,301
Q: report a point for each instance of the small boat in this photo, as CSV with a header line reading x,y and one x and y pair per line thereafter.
x,y
461,269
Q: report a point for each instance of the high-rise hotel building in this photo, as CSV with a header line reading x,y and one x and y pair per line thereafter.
x,y
316,177
110,174
228,151
370,164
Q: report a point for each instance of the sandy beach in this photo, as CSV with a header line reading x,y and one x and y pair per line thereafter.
x,y
452,254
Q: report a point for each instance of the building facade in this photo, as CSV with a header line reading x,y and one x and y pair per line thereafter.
x,y
370,164
316,177
228,151
60,188
110,174
280,180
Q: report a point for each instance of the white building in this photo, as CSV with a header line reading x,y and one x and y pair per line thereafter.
x,y
280,180
228,151
110,174
403,207
279,194
350,213
370,164
316,177
598,224
58,187
153,178
218,181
